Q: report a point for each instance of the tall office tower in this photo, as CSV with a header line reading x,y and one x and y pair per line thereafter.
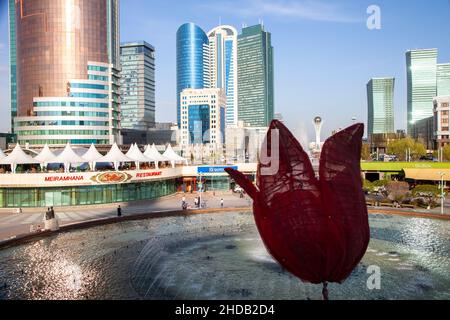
x,y
203,117
12,62
137,85
222,67
67,71
380,104
255,77
113,31
443,79
192,60
421,80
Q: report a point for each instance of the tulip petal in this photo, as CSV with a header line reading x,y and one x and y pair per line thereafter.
x,y
344,201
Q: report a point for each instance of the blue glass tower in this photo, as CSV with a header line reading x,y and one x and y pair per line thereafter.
x,y
191,53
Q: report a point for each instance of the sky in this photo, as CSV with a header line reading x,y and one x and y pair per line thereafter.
x,y
324,54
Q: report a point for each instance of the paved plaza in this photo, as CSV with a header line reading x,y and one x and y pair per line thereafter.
x,y
13,223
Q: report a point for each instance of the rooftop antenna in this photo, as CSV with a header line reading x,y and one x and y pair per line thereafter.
x,y
220,21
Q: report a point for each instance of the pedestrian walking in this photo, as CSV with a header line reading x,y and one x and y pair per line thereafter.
x,y
221,203
119,211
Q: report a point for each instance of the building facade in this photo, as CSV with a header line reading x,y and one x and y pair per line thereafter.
x,y
222,60
203,117
441,120
192,54
137,85
255,77
12,61
380,104
68,88
244,143
443,79
422,84
423,132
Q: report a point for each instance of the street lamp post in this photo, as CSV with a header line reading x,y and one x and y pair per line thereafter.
x,y
442,174
200,187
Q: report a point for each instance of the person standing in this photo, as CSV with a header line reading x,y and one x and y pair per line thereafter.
x,y
119,211
221,203
183,202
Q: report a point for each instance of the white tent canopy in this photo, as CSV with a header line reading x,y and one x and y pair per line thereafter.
x,y
68,157
115,156
136,154
173,157
18,156
92,156
45,156
152,153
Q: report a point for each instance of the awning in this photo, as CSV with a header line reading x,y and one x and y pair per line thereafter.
x,y
427,174
45,156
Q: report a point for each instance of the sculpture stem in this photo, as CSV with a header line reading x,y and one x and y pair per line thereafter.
x,y
325,291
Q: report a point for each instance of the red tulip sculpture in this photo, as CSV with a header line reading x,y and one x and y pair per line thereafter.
x,y
316,227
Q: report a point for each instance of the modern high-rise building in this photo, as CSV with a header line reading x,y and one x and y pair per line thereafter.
x,y
137,85
12,62
443,79
203,117
67,73
441,120
422,84
192,60
223,67
380,104
255,77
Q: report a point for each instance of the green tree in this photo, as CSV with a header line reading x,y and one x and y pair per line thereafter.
x,y
365,152
446,152
400,147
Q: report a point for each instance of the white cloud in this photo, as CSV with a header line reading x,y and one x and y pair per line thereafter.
x,y
303,10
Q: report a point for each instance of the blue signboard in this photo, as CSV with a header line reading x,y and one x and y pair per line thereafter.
x,y
215,169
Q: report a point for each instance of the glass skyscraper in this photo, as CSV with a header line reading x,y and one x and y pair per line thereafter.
x,y
255,77
67,71
223,67
443,79
192,55
12,62
422,84
137,85
380,102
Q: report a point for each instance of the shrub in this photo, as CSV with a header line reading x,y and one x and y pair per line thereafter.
x,y
428,194
367,186
426,189
397,191
380,183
